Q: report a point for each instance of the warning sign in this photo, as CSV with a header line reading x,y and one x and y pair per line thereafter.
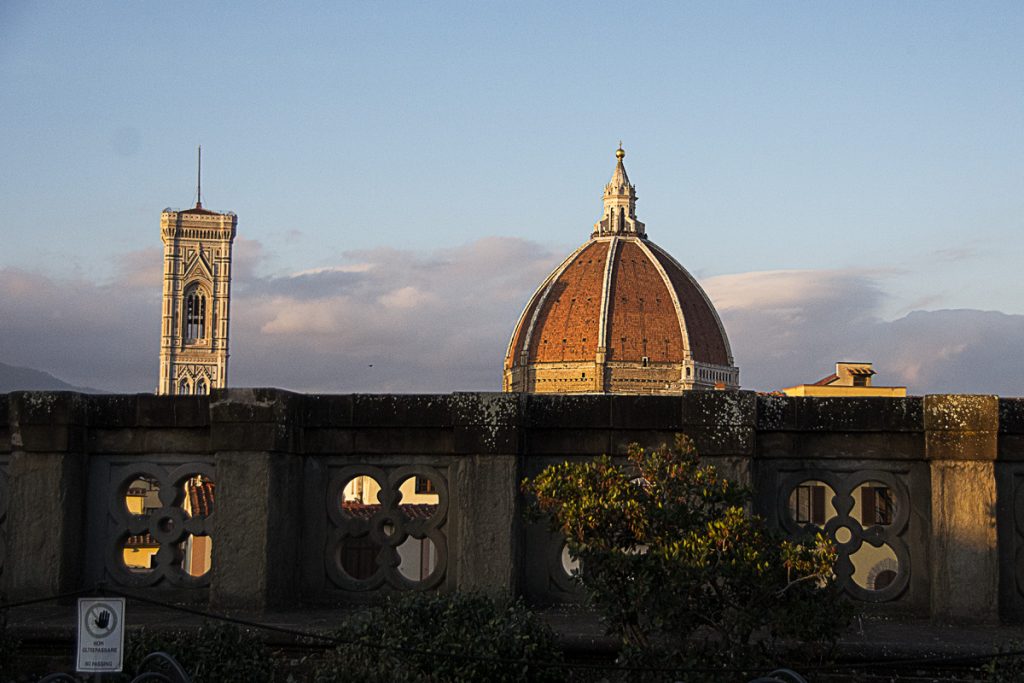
x,y
100,634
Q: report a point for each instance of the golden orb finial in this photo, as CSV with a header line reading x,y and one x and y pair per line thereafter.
x,y
619,153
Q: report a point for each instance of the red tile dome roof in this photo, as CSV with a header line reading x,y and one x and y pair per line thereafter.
x,y
620,299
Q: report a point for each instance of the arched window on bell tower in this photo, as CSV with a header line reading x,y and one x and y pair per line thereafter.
x,y
183,387
201,387
195,314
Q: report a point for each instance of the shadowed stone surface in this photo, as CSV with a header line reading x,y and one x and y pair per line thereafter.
x,y
274,454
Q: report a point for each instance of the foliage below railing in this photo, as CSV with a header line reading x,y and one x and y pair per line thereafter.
x,y
683,573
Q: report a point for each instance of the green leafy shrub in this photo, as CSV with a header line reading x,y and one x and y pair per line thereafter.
x,y
685,576
212,652
387,644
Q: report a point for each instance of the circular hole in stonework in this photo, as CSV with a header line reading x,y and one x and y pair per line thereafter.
x,y
196,555
843,534
570,565
198,500
874,504
810,502
388,528
419,497
139,552
360,497
166,525
874,568
417,558
358,556
142,496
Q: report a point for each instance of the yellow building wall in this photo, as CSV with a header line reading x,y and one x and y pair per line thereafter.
x,y
862,392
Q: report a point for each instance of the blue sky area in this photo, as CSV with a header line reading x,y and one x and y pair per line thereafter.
x,y
882,143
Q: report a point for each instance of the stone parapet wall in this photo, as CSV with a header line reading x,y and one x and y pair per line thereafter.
x,y
923,495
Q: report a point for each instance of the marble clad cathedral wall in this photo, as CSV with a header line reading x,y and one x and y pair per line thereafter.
x,y
261,497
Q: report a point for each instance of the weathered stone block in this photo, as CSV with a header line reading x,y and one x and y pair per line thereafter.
x,y
180,440
568,442
568,410
328,440
486,503
252,436
403,440
326,410
156,411
776,413
484,440
256,530
486,423
842,414
647,412
952,445
192,411
723,440
44,541
252,405
719,408
401,410
961,413
41,438
113,411
777,444
486,409
47,408
964,560
1011,415
856,445
1011,447
118,440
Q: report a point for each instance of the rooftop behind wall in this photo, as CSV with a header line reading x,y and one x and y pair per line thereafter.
x,y
923,494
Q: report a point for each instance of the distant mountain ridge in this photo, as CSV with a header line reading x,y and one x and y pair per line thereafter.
x,y
14,378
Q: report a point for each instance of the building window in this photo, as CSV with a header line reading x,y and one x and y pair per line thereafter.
x,y
424,485
808,504
860,380
876,506
195,315
183,387
201,388
359,557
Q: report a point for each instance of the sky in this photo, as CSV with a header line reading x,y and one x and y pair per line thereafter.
x,y
844,179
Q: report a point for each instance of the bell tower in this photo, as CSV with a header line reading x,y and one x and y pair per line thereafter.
x,y
197,297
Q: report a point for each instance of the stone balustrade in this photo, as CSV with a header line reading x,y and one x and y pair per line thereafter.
x,y
259,498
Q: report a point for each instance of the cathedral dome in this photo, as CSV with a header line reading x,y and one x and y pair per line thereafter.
x,y
619,315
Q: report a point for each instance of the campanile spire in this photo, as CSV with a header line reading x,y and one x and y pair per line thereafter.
x,y
619,204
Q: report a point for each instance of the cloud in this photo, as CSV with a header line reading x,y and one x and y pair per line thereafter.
x,y
408,321
790,327
381,320
105,336
389,319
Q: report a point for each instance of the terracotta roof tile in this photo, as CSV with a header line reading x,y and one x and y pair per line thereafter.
x,y
367,511
642,318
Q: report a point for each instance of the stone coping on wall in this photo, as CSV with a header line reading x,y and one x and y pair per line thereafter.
x,y
721,423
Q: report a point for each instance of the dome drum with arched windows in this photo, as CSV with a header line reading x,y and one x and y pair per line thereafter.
x,y
619,315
